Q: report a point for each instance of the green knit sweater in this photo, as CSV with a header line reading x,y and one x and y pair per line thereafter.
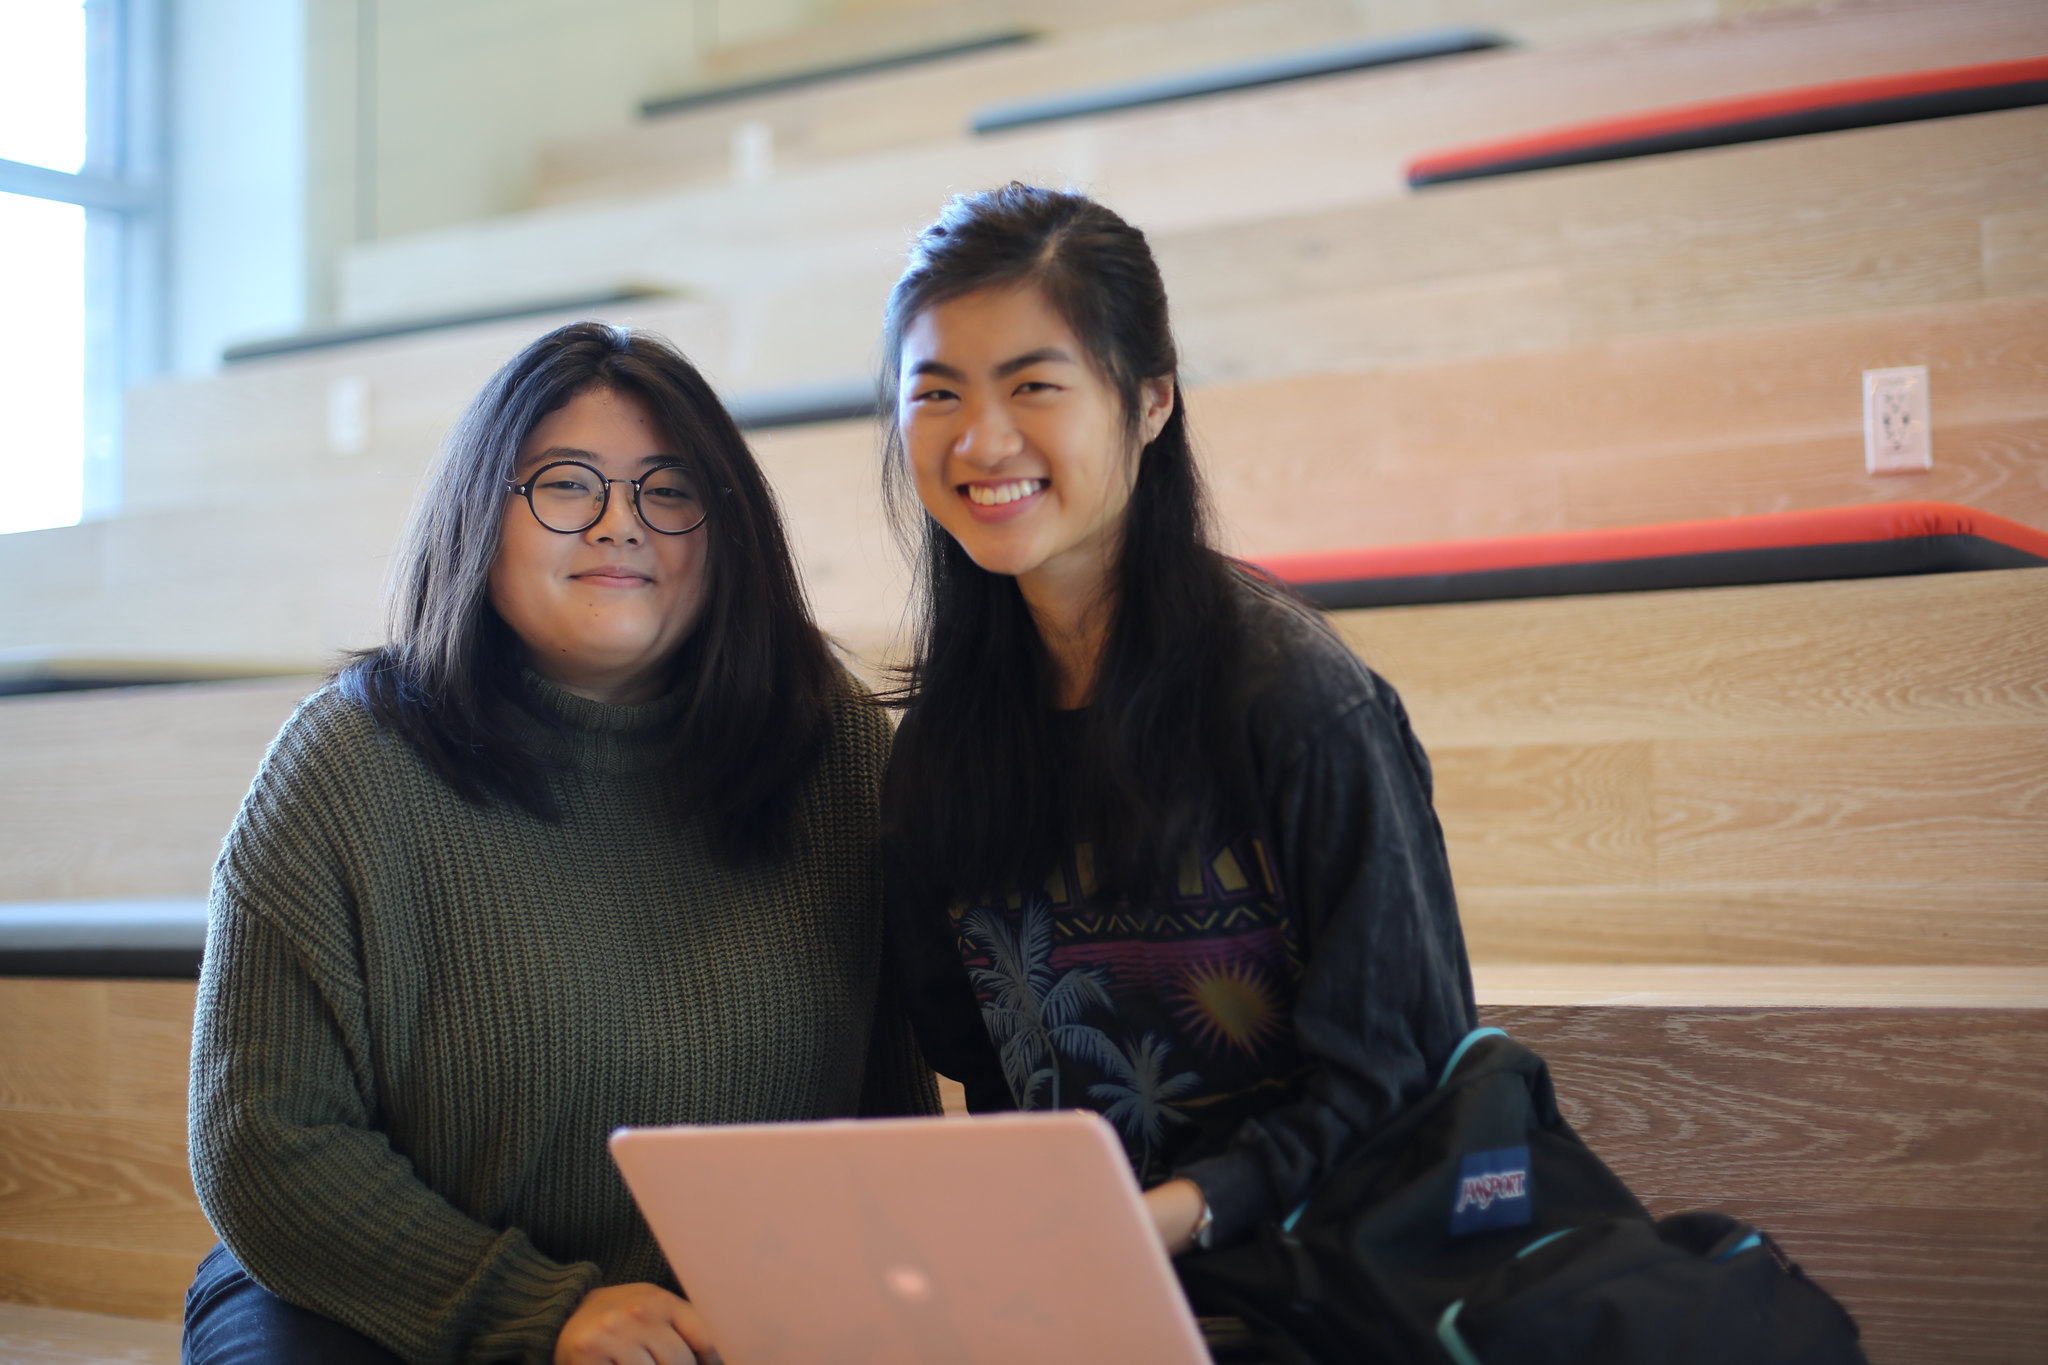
x,y
419,1019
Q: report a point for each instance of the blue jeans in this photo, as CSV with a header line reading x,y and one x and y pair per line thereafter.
x,y
232,1320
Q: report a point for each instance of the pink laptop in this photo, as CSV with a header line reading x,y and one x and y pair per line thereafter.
x,y
1015,1239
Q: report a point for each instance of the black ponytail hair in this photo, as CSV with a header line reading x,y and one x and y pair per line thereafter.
x,y
980,797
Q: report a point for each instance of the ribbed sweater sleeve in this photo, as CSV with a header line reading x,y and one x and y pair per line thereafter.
x,y
284,1112
420,1018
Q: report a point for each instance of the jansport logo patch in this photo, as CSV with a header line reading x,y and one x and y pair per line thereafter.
x,y
1493,1191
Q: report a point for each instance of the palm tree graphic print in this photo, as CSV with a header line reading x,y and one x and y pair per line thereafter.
x,y
1171,1017
1035,1013
1135,1099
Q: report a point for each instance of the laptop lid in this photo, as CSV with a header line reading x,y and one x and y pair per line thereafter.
x,y
1013,1239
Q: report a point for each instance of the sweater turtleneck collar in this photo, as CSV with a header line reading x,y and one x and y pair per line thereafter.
x,y
607,736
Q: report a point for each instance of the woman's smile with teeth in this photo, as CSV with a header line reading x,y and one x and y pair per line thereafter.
x,y
996,494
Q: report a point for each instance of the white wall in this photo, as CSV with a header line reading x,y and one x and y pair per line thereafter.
x,y
237,170
301,127
464,92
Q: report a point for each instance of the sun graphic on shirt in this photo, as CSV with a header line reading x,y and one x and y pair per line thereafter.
x,y
1227,1005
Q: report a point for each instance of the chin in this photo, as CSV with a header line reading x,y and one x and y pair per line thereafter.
x,y
1011,561
611,652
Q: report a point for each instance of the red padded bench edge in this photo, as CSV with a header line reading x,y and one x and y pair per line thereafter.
x,y
1768,531
1776,113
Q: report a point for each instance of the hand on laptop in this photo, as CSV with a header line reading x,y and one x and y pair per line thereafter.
x,y
634,1324
1176,1207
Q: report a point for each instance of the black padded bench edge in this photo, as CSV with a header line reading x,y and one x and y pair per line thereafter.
x,y
1296,66
796,80
177,964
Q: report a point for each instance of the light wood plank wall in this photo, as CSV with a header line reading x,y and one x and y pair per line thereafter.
x,y
936,102
96,1204
1658,426
1892,1150
128,792
1827,773
1289,150
1806,774
1556,287
1850,772
1801,773
1898,1176
863,30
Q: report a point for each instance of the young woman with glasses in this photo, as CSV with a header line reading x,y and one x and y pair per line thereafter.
x,y
1157,843
591,842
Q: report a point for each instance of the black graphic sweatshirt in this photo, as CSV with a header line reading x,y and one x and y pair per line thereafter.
x,y
1304,981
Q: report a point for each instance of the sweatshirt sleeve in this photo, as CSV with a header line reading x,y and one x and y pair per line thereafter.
x,y
287,1156
897,1081
928,978
1387,993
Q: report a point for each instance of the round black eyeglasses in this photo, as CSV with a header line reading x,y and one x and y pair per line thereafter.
x,y
570,496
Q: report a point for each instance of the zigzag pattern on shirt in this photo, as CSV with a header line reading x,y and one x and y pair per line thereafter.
x,y
1210,919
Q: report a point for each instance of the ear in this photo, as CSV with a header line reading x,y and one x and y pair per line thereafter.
x,y
1155,398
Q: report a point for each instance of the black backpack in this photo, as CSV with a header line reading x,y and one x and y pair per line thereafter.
x,y
1477,1229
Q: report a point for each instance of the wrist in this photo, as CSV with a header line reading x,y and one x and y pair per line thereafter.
x,y
1203,1234
1176,1208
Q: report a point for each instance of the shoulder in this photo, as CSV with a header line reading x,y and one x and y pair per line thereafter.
x,y
1301,681
858,719
859,735
332,767
330,739
328,731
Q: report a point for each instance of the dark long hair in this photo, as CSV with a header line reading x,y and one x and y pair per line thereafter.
x,y
760,678
980,797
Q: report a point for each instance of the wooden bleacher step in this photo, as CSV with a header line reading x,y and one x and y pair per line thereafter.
x,y
853,115
1659,427
1887,1125
1761,232
1600,65
1799,773
1284,151
97,1213
35,1335
128,792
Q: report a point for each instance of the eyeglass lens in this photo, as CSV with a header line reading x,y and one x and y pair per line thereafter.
x,y
570,497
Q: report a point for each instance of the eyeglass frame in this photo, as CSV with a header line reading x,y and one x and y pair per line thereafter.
x,y
604,503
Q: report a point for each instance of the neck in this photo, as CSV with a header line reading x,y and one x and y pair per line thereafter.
x,y
1072,615
624,688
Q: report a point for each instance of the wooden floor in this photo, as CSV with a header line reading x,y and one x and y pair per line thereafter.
x,y
54,1336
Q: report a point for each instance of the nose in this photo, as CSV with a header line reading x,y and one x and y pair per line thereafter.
x,y
618,525
989,437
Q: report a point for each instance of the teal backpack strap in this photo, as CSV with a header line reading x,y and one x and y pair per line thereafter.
x,y
1447,1329
1464,1046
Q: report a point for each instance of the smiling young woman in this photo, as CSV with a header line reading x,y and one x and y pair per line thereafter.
x,y
603,610
1156,842
591,842
1016,444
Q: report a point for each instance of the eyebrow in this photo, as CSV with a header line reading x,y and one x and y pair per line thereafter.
x,y
553,453
1041,356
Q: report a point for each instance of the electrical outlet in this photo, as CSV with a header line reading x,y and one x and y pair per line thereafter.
x,y
1896,425
348,415
753,152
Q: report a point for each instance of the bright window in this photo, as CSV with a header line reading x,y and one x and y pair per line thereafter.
x,y
66,212
42,83
42,362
